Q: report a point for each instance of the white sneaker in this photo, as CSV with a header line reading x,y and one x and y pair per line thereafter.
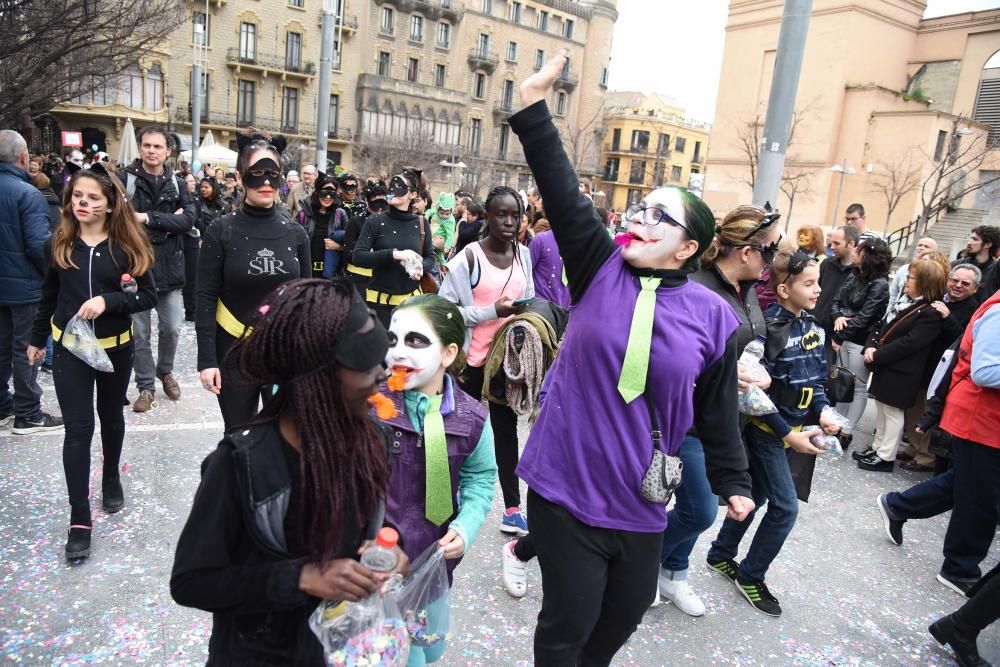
x,y
656,600
515,575
680,593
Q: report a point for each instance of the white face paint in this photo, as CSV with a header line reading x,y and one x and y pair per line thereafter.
x,y
415,347
654,247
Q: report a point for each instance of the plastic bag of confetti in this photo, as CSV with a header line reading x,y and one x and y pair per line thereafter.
x,y
424,598
367,632
755,402
79,338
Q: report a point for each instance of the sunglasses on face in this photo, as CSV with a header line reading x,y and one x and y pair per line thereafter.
x,y
651,217
767,252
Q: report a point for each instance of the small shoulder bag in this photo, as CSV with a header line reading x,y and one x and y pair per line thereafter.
x,y
663,475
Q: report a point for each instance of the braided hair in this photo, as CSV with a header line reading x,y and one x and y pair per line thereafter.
x,y
343,466
501,191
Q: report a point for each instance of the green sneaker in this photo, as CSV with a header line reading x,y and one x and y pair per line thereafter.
x,y
757,594
727,568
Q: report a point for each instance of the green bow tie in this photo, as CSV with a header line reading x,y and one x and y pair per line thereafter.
x,y
632,381
437,495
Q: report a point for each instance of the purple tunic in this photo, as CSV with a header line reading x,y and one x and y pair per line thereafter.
x,y
547,270
589,450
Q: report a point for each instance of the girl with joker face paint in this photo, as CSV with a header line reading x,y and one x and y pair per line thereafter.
x,y
442,444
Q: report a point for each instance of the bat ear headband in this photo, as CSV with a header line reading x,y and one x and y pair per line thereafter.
x,y
277,142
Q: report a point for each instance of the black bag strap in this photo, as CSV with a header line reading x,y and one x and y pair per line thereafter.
x,y
654,424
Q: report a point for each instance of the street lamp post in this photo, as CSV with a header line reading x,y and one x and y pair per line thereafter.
x,y
198,59
451,170
843,170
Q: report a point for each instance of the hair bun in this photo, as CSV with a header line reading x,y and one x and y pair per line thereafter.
x,y
279,142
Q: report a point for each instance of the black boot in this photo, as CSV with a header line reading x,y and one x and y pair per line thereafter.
x,y
962,644
113,496
78,543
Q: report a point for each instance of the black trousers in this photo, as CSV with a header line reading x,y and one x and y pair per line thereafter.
x,y
984,606
192,248
504,422
239,400
75,381
596,585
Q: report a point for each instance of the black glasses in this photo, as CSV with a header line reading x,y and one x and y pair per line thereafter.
x,y
796,264
769,219
652,216
767,252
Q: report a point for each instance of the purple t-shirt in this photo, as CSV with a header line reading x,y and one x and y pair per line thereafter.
x,y
547,270
588,450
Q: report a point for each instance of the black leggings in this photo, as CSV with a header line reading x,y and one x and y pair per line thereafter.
x,y
239,400
504,422
596,585
983,608
75,381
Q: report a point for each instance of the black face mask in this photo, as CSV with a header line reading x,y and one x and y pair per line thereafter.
x,y
350,187
261,172
398,187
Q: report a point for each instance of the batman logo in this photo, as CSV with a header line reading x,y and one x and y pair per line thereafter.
x,y
811,340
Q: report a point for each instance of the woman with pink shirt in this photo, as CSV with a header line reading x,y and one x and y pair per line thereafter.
x,y
485,280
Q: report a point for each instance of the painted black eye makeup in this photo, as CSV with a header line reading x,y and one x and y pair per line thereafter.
x,y
417,340
392,339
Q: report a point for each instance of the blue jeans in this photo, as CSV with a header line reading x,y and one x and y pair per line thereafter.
x,y
48,352
694,511
772,484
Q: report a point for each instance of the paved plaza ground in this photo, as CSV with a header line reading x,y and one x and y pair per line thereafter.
x,y
849,597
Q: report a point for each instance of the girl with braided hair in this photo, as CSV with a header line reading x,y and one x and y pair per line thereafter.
x,y
486,280
245,255
287,504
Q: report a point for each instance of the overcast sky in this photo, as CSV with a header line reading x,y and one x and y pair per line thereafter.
x,y
674,47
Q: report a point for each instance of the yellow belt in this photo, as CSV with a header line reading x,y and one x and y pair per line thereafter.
x,y
359,270
106,343
225,319
767,429
386,299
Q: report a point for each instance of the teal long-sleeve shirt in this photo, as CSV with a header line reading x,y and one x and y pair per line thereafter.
x,y
477,477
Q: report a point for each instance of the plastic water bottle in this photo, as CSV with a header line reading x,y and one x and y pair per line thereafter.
x,y
750,359
129,286
381,557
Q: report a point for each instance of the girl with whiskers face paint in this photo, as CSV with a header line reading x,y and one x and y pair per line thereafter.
x,y
245,255
441,457
96,243
643,342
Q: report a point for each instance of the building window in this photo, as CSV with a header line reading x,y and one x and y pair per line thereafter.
x,y
638,171
487,6
290,110
634,197
383,63
697,152
543,20
675,173
297,3
640,141
336,54
507,98
561,103
679,144
568,28
154,89
616,139
565,70
942,140
131,87
512,51
334,122
483,45
539,58
417,28
248,41
658,171
479,88
388,18
604,77
475,135
446,4
611,170
439,76
293,51
515,12
200,37
412,69
663,145
204,94
444,35
504,141
246,102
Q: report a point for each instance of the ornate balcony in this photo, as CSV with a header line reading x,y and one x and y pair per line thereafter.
x,y
566,82
484,60
266,63
433,10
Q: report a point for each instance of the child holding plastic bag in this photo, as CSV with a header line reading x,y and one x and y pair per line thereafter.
x,y
441,455
96,243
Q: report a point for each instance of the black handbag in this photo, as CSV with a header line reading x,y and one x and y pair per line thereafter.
x,y
840,383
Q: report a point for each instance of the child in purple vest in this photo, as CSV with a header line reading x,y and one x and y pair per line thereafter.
x,y
443,469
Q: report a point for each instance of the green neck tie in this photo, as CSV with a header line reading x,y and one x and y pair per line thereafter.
x,y
565,277
632,381
437,498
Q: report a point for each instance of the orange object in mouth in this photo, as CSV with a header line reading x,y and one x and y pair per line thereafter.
x,y
398,378
384,407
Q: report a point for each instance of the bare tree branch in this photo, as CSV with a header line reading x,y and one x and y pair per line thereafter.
x,y
898,177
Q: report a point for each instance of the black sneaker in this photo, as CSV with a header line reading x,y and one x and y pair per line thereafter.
x,y
963,645
893,527
112,494
78,543
727,568
958,585
757,595
861,453
43,423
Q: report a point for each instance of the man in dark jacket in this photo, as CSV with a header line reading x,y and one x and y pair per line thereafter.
x,y
832,274
24,230
167,211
